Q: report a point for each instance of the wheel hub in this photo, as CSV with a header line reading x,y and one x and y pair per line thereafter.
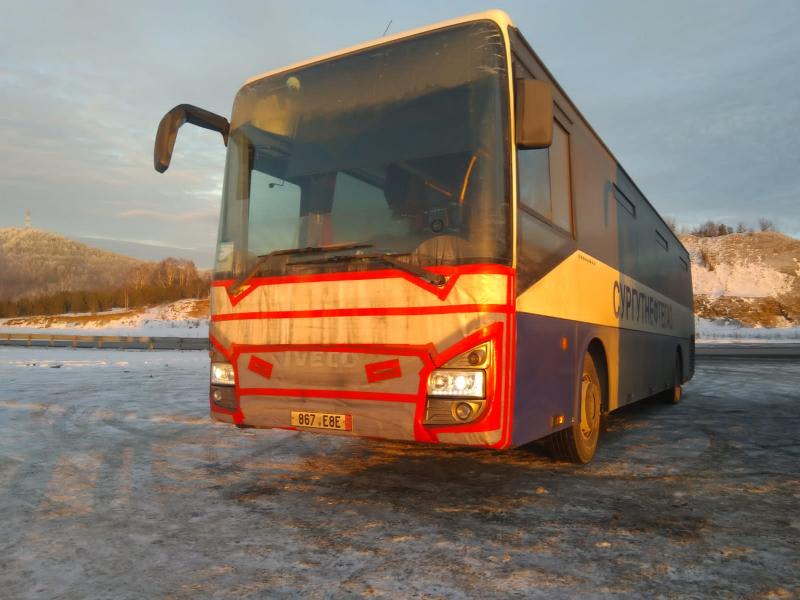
x,y
589,405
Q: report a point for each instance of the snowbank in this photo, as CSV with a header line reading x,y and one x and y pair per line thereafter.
x,y
184,318
742,265
708,331
747,280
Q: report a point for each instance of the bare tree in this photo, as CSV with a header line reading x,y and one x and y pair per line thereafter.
x,y
187,272
166,272
766,225
138,276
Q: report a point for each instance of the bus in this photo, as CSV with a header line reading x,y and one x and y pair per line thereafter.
x,y
422,239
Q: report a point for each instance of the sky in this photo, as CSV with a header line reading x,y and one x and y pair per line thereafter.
x,y
699,101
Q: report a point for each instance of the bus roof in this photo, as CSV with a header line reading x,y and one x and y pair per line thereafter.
x,y
498,16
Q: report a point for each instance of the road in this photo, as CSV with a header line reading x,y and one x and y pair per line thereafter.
x,y
114,484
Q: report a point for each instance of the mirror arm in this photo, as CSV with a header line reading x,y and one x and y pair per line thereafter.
x,y
172,122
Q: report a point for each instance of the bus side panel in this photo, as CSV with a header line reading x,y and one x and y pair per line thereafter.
x,y
639,363
645,363
545,375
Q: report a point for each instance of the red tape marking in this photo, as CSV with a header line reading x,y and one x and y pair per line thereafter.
x,y
260,366
383,370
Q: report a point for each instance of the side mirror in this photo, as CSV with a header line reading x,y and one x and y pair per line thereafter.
x,y
533,110
173,120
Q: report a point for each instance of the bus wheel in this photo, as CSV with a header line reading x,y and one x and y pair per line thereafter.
x,y
675,393
578,442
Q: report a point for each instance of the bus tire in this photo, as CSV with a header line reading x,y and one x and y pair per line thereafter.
x,y
674,394
578,442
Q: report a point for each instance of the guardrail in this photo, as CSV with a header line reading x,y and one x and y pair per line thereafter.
x,y
747,351
132,342
121,342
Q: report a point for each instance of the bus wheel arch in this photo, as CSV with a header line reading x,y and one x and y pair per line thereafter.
x,y
577,442
598,352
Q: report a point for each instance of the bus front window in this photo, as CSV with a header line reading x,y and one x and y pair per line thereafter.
x,y
401,146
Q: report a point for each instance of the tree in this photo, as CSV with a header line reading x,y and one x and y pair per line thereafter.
x,y
712,229
766,225
139,276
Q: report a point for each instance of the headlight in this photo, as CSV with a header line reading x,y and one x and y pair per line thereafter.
x,y
457,383
222,373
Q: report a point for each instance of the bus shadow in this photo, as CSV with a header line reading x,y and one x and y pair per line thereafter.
x,y
438,480
634,415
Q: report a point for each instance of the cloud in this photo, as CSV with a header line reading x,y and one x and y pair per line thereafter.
x,y
697,100
196,216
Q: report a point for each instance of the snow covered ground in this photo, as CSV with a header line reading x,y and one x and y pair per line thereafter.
x,y
746,280
114,483
743,265
183,318
720,332
186,318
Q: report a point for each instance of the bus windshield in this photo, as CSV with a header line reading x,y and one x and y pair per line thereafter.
x,y
401,147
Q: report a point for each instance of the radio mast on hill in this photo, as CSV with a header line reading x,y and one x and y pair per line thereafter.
x,y
27,218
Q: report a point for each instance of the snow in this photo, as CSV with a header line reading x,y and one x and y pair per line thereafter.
x,y
743,265
115,483
747,280
93,358
708,331
168,320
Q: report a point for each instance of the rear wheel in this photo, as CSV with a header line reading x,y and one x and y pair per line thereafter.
x,y
578,442
675,393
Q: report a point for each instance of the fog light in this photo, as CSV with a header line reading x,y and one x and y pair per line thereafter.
x,y
463,411
223,396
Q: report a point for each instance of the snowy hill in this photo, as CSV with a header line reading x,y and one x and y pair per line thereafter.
x,y
37,262
746,285
750,279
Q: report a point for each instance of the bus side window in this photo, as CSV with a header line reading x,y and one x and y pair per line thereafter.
x,y
534,181
544,180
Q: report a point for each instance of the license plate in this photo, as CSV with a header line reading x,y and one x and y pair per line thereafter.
x,y
322,420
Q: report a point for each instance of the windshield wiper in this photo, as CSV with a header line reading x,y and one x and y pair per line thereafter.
x,y
236,287
386,258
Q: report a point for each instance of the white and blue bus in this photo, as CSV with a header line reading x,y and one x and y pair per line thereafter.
x,y
421,238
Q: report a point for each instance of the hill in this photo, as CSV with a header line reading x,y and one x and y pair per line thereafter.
x,y
751,279
203,258
39,262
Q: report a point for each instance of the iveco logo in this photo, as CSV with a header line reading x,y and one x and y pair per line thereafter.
x,y
331,360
